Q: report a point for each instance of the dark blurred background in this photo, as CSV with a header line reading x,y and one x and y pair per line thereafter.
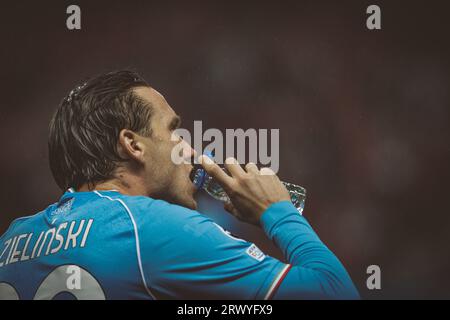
x,y
363,115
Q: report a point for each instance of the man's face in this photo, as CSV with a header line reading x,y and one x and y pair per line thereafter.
x,y
166,180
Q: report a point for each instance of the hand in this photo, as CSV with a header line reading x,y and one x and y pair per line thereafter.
x,y
251,191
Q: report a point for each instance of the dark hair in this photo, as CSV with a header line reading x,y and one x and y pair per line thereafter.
x,y
85,128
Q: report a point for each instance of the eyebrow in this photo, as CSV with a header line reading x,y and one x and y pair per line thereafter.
x,y
175,122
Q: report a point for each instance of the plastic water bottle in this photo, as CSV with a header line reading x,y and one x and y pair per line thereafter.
x,y
204,181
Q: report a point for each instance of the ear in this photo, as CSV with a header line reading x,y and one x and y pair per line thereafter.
x,y
130,145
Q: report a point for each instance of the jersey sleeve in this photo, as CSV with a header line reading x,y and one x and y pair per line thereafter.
x,y
185,255
315,272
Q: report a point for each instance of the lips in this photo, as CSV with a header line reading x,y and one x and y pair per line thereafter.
x,y
194,169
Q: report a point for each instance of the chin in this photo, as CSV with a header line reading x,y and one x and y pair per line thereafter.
x,y
192,204
185,197
188,202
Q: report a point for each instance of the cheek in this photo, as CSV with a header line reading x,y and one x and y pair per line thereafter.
x,y
186,149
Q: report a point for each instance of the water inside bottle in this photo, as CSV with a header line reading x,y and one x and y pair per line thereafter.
x,y
203,181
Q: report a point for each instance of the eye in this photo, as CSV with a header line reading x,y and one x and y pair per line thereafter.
x,y
175,123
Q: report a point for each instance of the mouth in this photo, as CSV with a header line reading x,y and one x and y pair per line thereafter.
x,y
197,176
192,172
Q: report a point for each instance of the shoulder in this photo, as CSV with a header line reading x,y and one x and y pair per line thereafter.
x,y
145,210
24,222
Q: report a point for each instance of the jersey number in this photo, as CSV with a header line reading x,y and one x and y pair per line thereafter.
x,y
67,278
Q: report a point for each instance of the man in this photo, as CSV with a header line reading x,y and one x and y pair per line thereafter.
x,y
126,228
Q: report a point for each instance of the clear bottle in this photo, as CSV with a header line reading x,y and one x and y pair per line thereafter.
x,y
203,181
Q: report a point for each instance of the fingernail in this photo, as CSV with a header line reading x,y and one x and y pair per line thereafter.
x,y
231,160
205,159
267,171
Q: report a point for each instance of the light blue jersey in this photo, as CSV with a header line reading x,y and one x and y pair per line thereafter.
x,y
105,245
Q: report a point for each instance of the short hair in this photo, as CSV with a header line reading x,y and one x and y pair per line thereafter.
x,y
85,128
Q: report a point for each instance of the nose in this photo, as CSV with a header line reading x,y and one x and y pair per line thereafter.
x,y
188,151
193,153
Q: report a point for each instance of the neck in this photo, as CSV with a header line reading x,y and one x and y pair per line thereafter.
x,y
124,183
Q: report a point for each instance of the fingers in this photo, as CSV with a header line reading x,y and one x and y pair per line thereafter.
x,y
251,168
234,167
215,171
267,172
